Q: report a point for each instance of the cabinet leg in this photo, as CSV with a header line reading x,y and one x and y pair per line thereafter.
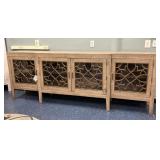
x,y
147,105
107,104
151,106
13,93
40,97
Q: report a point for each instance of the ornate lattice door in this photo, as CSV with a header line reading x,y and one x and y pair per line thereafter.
x,y
89,77
55,74
131,78
23,70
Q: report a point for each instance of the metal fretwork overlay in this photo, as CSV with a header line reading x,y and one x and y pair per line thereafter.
x,y
55,73
24,71
131,77
88,75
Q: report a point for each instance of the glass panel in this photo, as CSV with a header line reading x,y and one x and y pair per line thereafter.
x,y
131,77
55,73
88,75
24,71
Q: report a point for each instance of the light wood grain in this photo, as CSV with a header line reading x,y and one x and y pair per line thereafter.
x,y
153,87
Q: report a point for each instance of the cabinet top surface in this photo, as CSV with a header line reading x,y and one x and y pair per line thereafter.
x,y
79,52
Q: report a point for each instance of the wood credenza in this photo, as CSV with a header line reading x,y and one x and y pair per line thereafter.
x,y
122,75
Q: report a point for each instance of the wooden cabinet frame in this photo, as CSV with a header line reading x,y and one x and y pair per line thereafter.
x,y
108,61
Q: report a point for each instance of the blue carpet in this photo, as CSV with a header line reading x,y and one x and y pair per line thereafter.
x,y
59,107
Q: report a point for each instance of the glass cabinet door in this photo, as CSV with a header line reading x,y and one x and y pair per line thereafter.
x,y
89,76
131,77
23,71
55,73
